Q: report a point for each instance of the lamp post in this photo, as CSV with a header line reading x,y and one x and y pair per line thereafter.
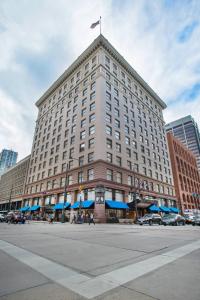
x,y
9,208
65,195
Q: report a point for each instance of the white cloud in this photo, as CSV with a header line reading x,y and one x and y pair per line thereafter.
x,y
144,32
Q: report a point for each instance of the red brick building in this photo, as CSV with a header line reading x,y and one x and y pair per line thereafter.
x,y
186,175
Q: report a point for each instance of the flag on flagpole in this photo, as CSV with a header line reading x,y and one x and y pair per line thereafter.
x,y
95,24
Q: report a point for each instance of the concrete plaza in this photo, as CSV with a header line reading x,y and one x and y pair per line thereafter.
x,y
105,261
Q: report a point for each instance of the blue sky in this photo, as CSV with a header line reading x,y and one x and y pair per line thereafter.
x,y
40,39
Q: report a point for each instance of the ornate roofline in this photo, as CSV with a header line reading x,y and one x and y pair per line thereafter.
x,y
100,41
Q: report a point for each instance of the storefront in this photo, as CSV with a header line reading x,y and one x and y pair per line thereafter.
x,y
115,210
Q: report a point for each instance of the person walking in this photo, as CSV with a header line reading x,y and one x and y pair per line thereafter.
x,y
91,219
74,219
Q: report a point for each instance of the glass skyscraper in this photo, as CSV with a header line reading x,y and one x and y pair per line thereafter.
x,y
8,158
187,132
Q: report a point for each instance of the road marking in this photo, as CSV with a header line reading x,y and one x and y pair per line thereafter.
x,y
92,287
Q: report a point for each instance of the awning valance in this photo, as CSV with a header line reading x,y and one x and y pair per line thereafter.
x,y
154,208
34,208
83,204
174,210
117,204
25,208
61,205
164,209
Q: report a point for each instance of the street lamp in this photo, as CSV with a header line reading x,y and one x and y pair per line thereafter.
x,y
65,195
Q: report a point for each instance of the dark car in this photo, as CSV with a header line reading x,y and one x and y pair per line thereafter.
x,y
173,219
14,218
196,221
150,219
189,219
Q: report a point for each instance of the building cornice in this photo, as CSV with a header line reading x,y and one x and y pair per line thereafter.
x,y
98,42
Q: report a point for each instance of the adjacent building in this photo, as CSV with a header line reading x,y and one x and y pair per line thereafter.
x,y
101,126
12,184
187,132
186,175
8,158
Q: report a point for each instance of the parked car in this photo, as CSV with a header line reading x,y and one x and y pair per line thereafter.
x,y
189,219
2,218
150,219
173,219
196,221
14,218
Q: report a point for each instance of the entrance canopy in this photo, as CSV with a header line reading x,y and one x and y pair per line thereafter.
x,y
25,208
116,204
83,204
174,210
34,208
164,209
154,208
61,205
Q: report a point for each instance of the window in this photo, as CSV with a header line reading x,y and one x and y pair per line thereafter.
x,y
118,160
83,112
117,123
92,96
116,112
92,118
83,123
108,96
91,130
109,143
82,134
129,180
128,152
127,140
90,157
117,135
90,174
109,174
108,118
93,85
91,143
118,148
92,106
108,130
109,157
119,177
81,161
84,101
64,155
80,177
82,147
84,92
108,86
108,106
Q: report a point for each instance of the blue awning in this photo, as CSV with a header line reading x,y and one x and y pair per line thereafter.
x,y
61,205
154,208
25,208
34,208
117,204
84,204
174,210
164,209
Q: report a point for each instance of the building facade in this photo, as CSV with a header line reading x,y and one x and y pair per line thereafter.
x,y
187,132
8,158
186,175
102,126
12,184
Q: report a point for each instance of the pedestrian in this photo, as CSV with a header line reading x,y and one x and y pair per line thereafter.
x,y
91,219
74,219
51,218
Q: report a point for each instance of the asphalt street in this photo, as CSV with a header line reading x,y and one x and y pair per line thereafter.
x,y
105,261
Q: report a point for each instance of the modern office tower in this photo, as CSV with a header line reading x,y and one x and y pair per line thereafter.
x,y
101,125
185,174
12,184
8,158
186,131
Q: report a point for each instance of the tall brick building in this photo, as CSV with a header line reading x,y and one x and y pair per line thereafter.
x,y
185,173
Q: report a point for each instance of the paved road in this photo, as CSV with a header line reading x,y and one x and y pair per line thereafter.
x,y
105,261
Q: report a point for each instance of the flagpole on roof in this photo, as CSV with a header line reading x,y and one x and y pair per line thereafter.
x,y
100,24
